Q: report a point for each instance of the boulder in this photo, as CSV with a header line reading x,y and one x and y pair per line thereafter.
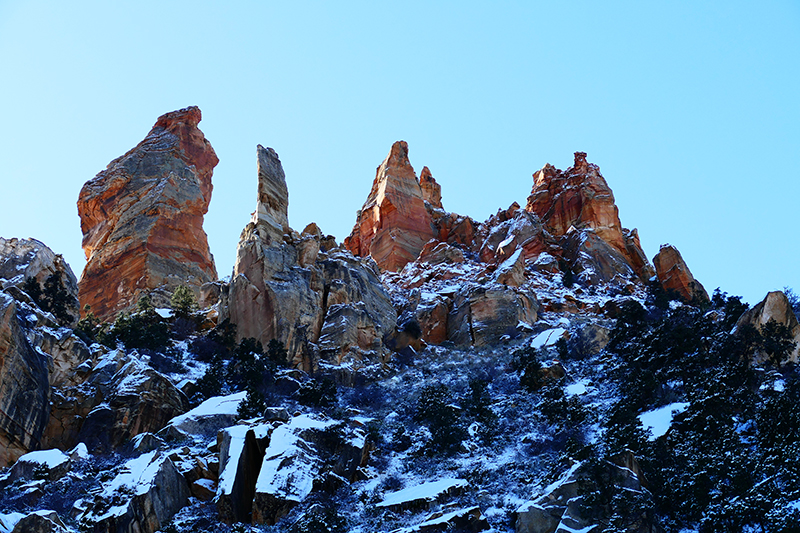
x,y
774,307
143,496
307,453
674,275
24,387
393,225
51,465
40,522
470,519
142,218
241,452
23,259
482,316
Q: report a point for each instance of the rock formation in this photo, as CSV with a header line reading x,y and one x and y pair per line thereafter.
x,y
24,387
675,276
394,224
142,218
579,197
29,259
300,288
774,307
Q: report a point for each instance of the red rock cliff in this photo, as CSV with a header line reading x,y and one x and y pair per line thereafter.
x,y
142,218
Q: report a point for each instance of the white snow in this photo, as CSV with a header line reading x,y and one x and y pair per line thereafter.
x,y
218,405
49,458
426,491
9,520
288,469
659,420
80,451
577,389
164,312
547,338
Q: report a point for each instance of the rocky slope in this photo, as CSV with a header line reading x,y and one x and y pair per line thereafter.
x,y
142,218
531,373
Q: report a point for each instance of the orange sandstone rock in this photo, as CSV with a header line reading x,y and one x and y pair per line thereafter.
x,y
674,275
142,218
394,224
579,197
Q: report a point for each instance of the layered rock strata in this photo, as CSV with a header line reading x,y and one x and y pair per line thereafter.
x,y
300,288
393,225
142,218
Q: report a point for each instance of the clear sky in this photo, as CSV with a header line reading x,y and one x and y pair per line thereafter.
x,y
691,109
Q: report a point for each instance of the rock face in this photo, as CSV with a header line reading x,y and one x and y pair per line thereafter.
x,y
394,224
142,218
24,387
774,307
579,197
23,259
300,288
675,276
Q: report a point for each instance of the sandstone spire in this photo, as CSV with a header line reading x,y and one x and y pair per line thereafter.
x,y
272,212
393,225
142,218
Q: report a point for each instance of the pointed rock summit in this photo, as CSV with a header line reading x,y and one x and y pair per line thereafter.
x,y
300,288
674,275
142,218
579,197
394,224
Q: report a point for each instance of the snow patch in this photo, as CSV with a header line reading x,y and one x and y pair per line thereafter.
x,y
50,458
427,491
659,420
547,338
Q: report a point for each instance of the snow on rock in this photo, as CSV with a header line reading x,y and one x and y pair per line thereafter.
x,y
205,419
144,495
659,420
548,338
469,519
289,469
577,389
42,521
54,464
9,520
422,495
240,457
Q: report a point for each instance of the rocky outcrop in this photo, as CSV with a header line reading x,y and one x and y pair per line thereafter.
x,y
29,259
774,307
24,387
431,191
142,218
675,276
563,507
300,288
393,225
143,497
137,400
40,522
579,197
269,468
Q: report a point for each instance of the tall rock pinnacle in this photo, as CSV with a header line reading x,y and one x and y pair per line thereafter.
x,y
393,225
142,218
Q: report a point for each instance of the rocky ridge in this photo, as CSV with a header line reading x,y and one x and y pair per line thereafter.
x,y
412,284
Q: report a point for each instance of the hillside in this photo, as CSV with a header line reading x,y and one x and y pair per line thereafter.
x,y
534,372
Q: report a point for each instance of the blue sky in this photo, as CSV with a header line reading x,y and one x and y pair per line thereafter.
x,y
691,110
